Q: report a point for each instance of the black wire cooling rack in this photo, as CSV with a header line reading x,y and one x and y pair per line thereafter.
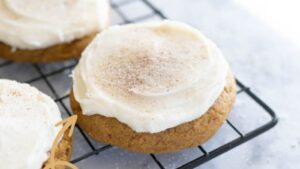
x,y
53,79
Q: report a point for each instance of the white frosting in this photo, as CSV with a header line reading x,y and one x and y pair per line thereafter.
x,y
27,126
150,76
35,24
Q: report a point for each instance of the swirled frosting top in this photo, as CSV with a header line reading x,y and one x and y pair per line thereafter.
x,y
150,76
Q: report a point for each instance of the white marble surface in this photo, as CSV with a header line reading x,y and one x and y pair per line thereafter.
x,y
266,62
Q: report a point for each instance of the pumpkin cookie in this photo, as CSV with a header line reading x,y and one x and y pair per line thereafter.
x,y
27,127
152,87
46,31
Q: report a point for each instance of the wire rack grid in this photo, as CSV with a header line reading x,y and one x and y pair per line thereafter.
x,y
54,80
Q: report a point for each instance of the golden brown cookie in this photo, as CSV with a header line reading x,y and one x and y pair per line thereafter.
x,y
111,131
57,52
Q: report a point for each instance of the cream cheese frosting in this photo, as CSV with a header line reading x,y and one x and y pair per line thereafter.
x,y
27,126
36,24
150,76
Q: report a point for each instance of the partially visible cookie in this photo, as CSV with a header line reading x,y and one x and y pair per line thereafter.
x,y
28,128
111,131
46,31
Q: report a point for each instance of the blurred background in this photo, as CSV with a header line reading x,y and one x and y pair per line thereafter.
x,y
261,41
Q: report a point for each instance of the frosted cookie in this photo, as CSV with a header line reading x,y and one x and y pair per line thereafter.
x,y
45,31
152,87
27,127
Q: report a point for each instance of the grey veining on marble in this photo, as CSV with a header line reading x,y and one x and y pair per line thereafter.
x,y
263,60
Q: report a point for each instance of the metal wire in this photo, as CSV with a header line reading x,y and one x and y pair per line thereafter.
x,y
207,155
